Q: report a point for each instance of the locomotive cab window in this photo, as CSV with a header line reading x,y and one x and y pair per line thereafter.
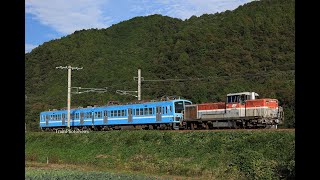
x,y
233,99
242,98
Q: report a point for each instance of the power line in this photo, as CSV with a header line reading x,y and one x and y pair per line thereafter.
x,y
210,77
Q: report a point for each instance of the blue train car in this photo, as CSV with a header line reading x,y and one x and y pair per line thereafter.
x,y
150,115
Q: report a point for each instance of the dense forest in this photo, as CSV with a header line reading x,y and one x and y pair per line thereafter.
x,y
251,48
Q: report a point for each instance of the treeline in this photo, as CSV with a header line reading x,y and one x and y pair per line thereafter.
x,y
251,48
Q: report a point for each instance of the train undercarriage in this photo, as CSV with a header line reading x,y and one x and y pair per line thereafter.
x,y
170,126
231,123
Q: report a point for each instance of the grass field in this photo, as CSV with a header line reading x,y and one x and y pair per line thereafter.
x,y
205,155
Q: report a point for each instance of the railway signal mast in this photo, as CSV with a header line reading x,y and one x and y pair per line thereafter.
x,y
69,87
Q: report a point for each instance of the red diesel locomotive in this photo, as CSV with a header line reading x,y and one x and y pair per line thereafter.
x,y
241,110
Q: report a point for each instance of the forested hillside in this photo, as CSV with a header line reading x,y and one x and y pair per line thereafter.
x,y
251,48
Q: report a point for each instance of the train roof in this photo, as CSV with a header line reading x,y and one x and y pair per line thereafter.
x,y
242,93
128,104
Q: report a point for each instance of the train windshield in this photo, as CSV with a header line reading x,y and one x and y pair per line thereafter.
x,y
179,106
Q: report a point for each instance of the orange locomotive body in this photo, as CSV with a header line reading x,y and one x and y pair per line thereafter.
x,y
241,110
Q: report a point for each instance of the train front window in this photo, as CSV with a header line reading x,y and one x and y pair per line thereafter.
x,y
178,107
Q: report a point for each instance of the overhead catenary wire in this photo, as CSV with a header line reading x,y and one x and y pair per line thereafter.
x,y
210,77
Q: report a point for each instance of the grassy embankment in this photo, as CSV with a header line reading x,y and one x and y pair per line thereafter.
x,y
208,155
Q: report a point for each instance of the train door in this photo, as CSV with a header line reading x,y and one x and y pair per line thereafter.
x,y
81,118
47,120
129,115
92,114
105,117
63,119
158,113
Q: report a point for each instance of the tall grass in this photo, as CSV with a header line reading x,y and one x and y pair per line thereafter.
x,y
219,155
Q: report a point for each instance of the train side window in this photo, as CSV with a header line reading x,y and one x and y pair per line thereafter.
x,y
112,113
150,111
141,112
146,112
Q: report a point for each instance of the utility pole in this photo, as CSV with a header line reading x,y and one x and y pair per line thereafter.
x,y
69,87
122,92
139,84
